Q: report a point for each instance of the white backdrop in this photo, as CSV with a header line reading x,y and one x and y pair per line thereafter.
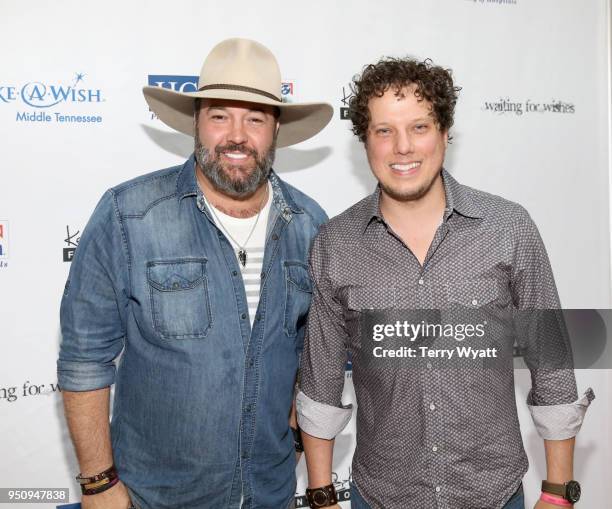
x,y
532,124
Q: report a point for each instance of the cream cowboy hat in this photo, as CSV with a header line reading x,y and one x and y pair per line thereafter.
x,y
242,70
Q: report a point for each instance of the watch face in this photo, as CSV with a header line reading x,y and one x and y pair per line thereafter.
x,y
573,491
319,498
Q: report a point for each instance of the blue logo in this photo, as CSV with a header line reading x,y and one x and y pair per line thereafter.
x,y
43,95
287,91
174,82
38,94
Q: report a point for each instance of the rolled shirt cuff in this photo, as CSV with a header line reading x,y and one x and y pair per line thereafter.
x,y
84,376
321,420
560,422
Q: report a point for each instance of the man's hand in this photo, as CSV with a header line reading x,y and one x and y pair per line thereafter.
x,y
116,497
545,505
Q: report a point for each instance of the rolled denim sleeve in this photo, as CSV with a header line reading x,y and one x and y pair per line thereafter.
x,y
93,307
553,400
322,369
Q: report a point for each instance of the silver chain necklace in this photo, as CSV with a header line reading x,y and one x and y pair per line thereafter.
x,y
242,253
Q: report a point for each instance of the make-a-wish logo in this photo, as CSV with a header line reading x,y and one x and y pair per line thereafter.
x,y
183,84
4,243
38,94
45,96
72,241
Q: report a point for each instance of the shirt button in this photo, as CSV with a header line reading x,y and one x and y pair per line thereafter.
x,y
257,318
175,285
274,236
243,316
437,488
248,408
432,406
434,448
234,273
474,302
251,363
421,282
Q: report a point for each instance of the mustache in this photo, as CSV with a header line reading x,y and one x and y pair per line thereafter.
x,y
233,147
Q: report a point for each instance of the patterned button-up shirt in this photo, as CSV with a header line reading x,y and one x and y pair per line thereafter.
x,y
430,438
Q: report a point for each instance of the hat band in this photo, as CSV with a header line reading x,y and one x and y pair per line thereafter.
x,y
222,86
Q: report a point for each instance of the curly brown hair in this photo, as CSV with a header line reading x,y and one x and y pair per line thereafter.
x,y
432,83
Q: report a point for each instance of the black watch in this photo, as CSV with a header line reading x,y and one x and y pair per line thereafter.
x,y
570,490
322,497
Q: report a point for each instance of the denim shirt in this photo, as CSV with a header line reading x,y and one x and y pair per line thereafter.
x,y
202,401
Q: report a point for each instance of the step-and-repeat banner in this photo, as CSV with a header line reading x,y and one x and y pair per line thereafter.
x,y
531,125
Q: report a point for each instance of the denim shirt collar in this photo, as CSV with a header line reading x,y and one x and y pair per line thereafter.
x,y
187,185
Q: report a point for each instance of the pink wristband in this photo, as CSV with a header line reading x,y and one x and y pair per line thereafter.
x,y
551,499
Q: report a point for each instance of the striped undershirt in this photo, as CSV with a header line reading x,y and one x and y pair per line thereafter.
x,y
239,229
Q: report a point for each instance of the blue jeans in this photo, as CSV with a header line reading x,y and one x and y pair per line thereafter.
x,y
516,502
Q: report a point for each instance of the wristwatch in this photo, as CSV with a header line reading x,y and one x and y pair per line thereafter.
x,y
570,490
322,497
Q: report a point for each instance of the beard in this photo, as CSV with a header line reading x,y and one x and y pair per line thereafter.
x,y
412,194
220,177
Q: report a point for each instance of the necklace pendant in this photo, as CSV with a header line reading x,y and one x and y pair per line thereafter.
x,y
242,256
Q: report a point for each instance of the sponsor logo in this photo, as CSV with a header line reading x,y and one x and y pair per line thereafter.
x,y
174,82
503,106
179,83
72,241
43,97
347,93
4,243
288,91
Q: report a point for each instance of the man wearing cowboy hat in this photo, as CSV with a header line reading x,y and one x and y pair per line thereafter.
x,y
198,274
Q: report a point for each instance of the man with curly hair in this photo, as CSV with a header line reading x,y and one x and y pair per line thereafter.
x,y
427,437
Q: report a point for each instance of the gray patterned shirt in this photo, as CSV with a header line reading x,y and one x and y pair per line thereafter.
x,y
430,438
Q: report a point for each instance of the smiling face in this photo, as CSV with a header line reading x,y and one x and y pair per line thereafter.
x,y
404,144
235,144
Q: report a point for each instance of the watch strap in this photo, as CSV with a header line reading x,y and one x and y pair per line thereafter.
x,y
554,489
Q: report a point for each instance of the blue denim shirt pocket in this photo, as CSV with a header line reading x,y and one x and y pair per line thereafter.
x,y
298,295
180,303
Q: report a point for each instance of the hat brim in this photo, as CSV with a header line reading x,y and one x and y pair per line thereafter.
x,y
299,122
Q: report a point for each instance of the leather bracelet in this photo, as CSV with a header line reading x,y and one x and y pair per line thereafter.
x,y
297,439
99,482
324,496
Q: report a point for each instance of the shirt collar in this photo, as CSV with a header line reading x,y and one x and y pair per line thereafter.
x,y
187,185
458,199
